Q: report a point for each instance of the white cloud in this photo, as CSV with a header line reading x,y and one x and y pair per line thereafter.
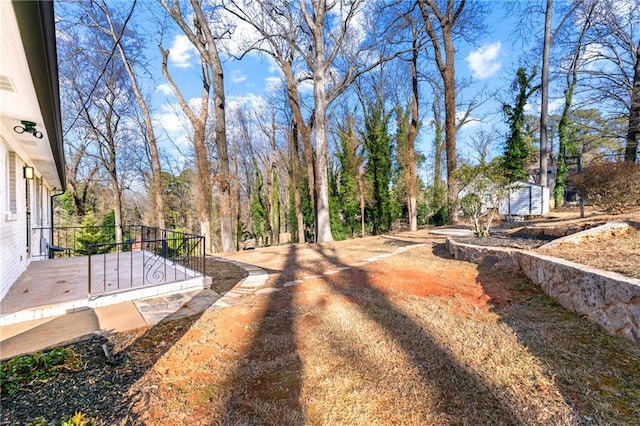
x,y
273,83
170,119
555,105
165,89
237,76
243,34
470,121
483,62
250,101
182,51
274,68
306,87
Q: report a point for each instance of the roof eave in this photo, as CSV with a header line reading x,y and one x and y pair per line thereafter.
x,y
36,21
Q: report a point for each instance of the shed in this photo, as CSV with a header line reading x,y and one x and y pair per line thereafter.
x,y
526,199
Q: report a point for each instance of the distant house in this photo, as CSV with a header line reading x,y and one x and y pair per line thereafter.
x,y
485,189
526,199
516,199
31,152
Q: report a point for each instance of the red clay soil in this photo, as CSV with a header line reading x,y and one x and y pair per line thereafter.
x,y
229,336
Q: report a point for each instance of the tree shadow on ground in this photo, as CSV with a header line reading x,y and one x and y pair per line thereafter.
x,y
597,374
269,381
101,389
462,396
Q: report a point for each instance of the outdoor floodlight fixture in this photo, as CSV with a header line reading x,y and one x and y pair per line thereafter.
x,y
29,127
27,172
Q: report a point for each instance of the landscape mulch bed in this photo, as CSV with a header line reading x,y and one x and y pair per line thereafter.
x,y
514,241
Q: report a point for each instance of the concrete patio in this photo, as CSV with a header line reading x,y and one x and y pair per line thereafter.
x,y
57,286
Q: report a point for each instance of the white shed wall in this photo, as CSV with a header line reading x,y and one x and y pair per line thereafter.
x,y
526,199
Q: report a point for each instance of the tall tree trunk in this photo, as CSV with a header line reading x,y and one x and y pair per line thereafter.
x,y
226,223
631,149
412,178
117,215
304,130
196,28
297,202
199,123
203,186
563,125
449,80
323,227
362,205
563,139
316,23
544,88
438,149
235,190
432,12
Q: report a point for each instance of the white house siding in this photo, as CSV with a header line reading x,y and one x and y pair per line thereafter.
x,y
13,231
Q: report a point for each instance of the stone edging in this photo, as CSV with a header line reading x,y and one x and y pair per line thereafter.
x,y
609,299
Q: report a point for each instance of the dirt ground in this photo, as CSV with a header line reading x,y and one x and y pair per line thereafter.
x,y
380,330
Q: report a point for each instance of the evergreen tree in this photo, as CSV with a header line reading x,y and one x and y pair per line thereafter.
x,y
275,203
378,146
90,234
347,193
259,210
517,149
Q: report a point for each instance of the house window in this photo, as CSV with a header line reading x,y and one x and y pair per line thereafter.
x,y
12,202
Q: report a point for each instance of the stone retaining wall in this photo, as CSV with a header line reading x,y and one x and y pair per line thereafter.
x,y
606,298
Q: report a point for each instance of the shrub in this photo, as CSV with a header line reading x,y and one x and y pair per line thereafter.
x,y
440,217
36,367
611,187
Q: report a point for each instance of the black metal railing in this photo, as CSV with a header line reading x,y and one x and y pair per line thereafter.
x,y
68,241
158,256
147,256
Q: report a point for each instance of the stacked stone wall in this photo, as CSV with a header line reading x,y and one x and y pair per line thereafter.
x,y
609,299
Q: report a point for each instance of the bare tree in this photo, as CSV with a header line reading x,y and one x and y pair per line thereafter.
x,y
98,96
544,90
106,23
438,144
441,21
411,174
290,33
631,149
564,124
481,144
198,120
611,68
280,35
203,39
104,116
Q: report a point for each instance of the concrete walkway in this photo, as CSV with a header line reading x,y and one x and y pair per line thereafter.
x,y
31,336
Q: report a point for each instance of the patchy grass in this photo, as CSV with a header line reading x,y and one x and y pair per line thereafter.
x,y
380,343
619,253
